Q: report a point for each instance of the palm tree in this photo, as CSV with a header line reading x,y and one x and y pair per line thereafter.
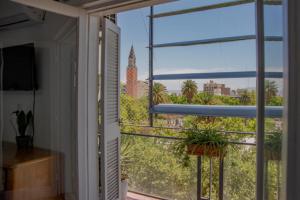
x,y
271,90
245,98
159,93
189,90
204,98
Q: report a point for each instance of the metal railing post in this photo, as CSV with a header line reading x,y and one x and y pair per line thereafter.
x,y
210,177
199,177
151,66
260,114
221,178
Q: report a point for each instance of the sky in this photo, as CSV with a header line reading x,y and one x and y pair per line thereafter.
x,y
225,22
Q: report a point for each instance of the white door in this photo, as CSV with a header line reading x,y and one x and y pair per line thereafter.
x,y
110,105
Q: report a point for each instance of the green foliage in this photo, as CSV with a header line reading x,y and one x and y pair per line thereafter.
x,y
126,156
209,138
271,90
245,98
154,166
155,170
159,93
189,90
275,101
240,173
23,121
204,98
227,100
273,142
178,99
132,111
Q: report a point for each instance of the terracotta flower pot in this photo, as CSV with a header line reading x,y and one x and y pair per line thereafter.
x,y
205,150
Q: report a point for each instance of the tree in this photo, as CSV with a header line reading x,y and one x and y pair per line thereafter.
x,y
189,90
177,99
204,98
132,111
271,90
147,160
159,93
276,101
245,98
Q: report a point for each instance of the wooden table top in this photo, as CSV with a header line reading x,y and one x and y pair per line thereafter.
x,y
13,157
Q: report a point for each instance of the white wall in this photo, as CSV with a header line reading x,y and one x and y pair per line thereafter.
x,y
55,45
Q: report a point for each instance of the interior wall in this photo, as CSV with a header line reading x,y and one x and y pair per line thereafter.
x,y
56,56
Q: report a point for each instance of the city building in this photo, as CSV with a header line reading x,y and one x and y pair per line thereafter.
x,y
131,74
142,88
134,87
216,88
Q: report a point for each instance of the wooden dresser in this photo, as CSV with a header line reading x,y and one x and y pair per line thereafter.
x,y
31,174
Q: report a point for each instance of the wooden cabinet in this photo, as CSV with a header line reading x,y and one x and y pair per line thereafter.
x,y
32,173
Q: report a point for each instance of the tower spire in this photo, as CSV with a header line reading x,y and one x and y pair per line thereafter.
x,y
132,58
131,77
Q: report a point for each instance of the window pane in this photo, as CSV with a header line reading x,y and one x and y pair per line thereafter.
x,y
217,23
186,4
236,91
233,56
273,97
153,168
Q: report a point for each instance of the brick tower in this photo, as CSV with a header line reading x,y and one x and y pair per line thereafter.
x,y
131,76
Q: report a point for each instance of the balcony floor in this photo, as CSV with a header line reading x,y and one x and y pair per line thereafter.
x,y
135,196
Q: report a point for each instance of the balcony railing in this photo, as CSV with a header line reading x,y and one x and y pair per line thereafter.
x,y
155,170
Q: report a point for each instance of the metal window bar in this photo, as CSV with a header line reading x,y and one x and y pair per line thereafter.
x,y
185,129
179,138
199,75
212,7
210,176
202,8
199,179
260,75
260,115
217,111
151,65
216,40
221,177
216,75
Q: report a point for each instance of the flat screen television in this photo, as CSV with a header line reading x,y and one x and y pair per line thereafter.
x,y
18,68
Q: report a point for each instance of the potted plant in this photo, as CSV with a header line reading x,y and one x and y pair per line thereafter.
x,y
273,145
124,185
23,121
202,142
126,160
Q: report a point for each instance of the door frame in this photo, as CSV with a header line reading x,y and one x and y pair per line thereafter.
x,y
86,122
86,129
87,146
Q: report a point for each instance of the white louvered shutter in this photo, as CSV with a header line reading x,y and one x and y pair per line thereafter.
x,y
110,131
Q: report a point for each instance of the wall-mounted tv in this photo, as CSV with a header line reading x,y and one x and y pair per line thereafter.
x,y
17,64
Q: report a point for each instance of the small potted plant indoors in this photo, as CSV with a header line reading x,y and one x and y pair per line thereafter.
x,y
273,144
202,142
23,121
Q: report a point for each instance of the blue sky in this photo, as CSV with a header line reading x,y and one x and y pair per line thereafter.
x,y
235,56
